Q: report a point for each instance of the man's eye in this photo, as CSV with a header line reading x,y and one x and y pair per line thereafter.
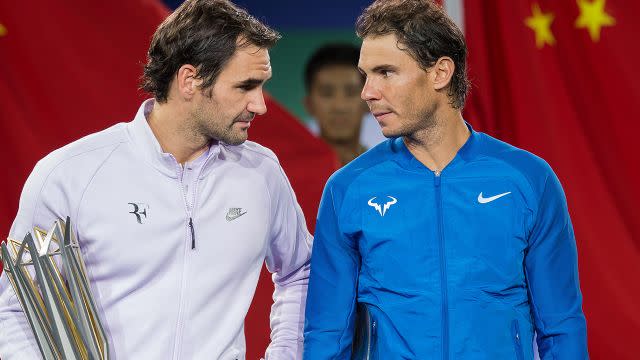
x,y
248,86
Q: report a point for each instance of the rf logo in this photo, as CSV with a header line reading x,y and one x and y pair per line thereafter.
x,y
139,209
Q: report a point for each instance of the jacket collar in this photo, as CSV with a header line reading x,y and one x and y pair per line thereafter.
x,y
149,148
465,154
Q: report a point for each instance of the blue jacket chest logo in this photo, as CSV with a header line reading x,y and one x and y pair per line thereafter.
x,y
382,208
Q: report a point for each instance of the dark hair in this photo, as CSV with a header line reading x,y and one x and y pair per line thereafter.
x,y
205,34
426,31
330,55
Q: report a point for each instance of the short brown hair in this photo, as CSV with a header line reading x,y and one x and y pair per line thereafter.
x,y
202,33
329,55
426,31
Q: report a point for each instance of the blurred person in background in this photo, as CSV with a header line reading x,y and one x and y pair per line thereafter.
x,y
333,84
175,212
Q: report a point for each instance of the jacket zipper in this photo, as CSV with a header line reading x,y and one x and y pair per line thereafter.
x,y
373,341
443,269
368,339
193,234
183,286
515,333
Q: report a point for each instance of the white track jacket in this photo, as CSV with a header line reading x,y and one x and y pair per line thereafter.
x,y
173,258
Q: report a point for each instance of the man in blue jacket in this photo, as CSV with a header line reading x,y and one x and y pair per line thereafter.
x,y
458,245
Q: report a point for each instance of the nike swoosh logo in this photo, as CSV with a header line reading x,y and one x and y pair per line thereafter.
x,y
234,216
484,200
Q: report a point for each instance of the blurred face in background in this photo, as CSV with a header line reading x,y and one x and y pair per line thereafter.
x,y
334,101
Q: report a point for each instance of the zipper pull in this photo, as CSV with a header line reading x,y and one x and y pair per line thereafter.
x,y
193,234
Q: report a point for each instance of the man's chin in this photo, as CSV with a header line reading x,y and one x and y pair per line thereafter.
x,y
235,141
238,139
391,133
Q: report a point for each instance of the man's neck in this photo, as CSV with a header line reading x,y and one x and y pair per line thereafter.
x,y
436,146
347,151
169,125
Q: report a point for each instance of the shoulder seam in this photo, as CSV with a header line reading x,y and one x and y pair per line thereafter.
x,y
53,169
266,155
537,197
90,181
531,187
353,179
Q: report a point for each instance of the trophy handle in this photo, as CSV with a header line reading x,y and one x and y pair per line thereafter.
x,y
362,346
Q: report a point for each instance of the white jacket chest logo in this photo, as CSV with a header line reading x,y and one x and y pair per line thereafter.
x,y
234,213
382,209
484,200
139,210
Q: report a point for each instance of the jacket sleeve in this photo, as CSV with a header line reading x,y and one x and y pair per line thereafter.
x,y
288,259
331,301
551,266
41,204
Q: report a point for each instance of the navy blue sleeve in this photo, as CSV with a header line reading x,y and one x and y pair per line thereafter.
x,y
551,266
331,298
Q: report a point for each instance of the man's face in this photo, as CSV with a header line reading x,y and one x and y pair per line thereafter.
x,y
224,111
400,93
334,101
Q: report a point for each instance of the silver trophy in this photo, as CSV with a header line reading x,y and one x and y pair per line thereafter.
x,y
58,304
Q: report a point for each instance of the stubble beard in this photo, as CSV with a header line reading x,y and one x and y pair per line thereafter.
x,y
213,127
238,136
421,127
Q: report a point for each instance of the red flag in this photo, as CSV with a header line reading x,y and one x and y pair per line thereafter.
x,y
559,78
71,69
66,71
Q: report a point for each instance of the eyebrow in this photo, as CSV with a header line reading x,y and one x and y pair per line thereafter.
x,y
250,83
379,68
383,67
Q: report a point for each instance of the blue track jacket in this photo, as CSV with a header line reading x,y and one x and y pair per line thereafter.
x,y
467,264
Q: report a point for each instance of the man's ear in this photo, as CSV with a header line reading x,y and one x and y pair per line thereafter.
x,y
187,81
442,72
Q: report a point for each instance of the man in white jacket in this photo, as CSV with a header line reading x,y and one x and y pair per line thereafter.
x,y
175,211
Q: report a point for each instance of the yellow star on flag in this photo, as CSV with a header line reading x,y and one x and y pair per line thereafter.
x,y
3,30
593,17
540,23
